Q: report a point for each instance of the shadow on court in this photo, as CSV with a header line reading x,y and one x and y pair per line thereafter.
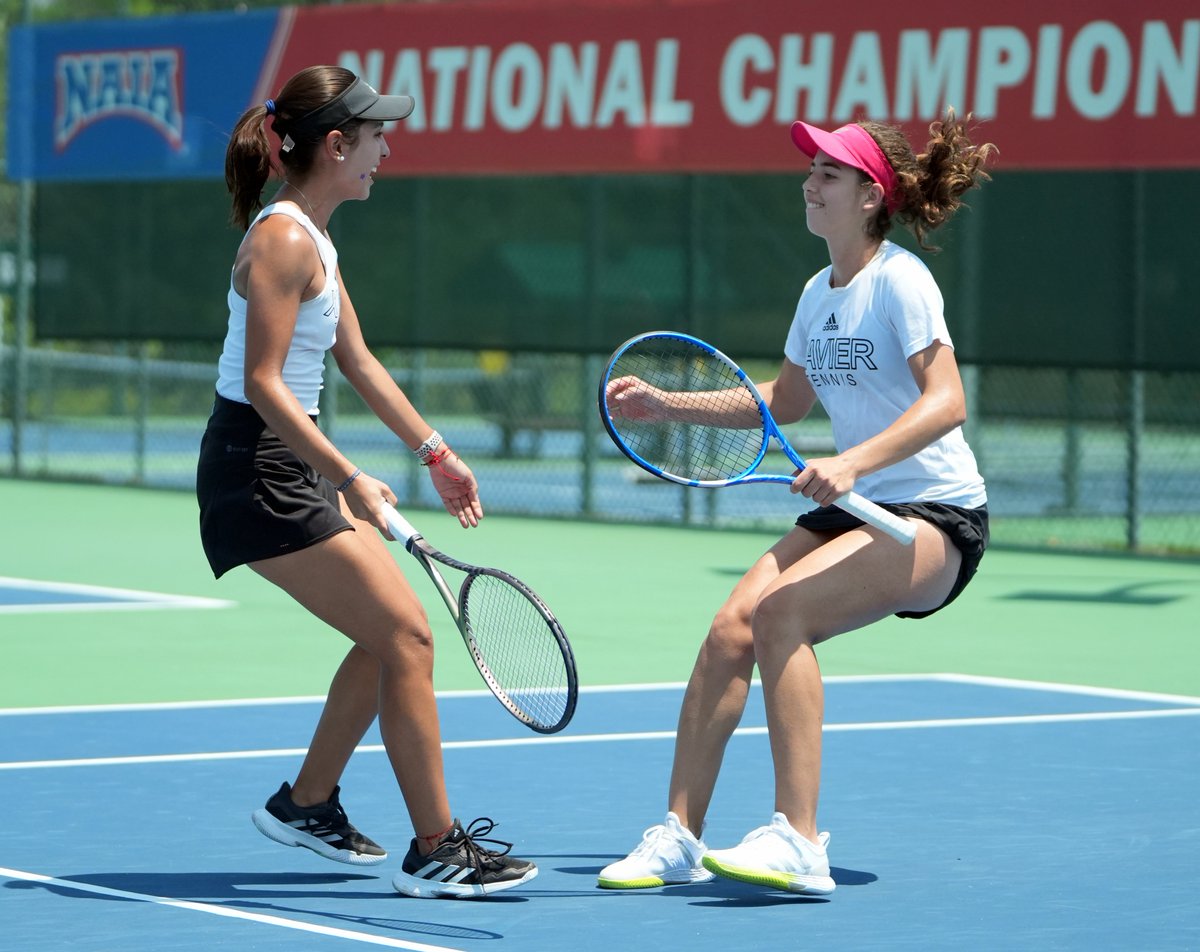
x,y
1121,595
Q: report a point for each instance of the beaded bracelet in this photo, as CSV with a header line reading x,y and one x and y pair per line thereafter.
x,y
427,449
349,479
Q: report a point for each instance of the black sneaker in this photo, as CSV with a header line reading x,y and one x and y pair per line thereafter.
x,y
460,868
323,828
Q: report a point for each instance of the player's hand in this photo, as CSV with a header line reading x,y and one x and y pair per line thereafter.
x,y
363,497
456,486
825,480
634,399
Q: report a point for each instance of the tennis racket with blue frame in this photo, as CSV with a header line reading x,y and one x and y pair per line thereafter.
x,y
706,424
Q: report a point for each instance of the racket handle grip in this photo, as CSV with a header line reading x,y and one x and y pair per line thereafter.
x,y
402,530
899,529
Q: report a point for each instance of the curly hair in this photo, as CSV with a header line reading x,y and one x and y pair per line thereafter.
x,y
248,157
929,186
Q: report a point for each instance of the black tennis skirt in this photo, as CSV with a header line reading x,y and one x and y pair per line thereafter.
x,y
967,529
257,498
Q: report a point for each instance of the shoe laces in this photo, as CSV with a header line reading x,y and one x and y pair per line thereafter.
x,y
476,833
795,840
761,831
481,856
650,840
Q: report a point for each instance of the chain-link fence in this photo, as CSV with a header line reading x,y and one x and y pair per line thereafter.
x,y
1080,459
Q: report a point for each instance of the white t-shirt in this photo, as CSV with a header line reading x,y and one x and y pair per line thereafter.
x,y
854,343
316,327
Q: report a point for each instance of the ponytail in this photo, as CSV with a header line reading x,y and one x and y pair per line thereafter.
x,y
930,185
248,165
248,158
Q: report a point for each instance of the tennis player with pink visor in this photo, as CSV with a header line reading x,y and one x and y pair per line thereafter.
x,y
851,145
870,341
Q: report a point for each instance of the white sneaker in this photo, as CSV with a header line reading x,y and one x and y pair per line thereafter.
x,y
668,855
776,856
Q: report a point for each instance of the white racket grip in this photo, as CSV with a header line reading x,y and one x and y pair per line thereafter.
x,y
899,529
402,530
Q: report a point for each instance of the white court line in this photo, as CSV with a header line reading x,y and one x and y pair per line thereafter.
x,y
1062,688
608,738
201,705
467,693
1014,683
131,599
216,910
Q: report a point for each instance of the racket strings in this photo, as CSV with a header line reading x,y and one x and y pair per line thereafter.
x,y
519,644
701,449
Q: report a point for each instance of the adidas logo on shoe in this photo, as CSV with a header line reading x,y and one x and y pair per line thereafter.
x,y
325,829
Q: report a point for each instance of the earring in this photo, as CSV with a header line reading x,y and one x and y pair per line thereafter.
x,y
341,158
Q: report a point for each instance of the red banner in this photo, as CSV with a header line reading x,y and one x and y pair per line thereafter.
x,y
712,85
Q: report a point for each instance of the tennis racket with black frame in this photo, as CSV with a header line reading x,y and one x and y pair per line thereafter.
x,y
710,427
512,636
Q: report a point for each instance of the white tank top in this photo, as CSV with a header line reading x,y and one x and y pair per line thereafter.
x,y
316,327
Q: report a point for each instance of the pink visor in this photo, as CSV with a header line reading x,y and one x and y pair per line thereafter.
x,y
850,145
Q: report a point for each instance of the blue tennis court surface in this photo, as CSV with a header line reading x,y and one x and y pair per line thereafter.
x,y
966,813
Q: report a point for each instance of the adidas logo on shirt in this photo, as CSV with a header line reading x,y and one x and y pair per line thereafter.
x,y
831,324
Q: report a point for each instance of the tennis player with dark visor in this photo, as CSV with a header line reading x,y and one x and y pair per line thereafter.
x,y
358,101
277,495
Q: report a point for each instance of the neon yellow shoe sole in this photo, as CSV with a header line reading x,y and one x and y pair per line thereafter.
x,y
646,883
789,882
684,878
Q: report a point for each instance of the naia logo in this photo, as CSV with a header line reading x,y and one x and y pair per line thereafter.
x,y
134,84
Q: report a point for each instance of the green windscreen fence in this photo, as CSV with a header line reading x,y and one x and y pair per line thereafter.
x,y
1072,298
1052,269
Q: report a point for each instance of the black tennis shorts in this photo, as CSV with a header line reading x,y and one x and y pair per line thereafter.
x,y
257,498
967,529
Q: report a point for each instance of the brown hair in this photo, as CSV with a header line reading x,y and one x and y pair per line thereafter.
x,y
929,186
248,159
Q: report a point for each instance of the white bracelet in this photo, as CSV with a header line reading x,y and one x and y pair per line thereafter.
x,y
427,449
